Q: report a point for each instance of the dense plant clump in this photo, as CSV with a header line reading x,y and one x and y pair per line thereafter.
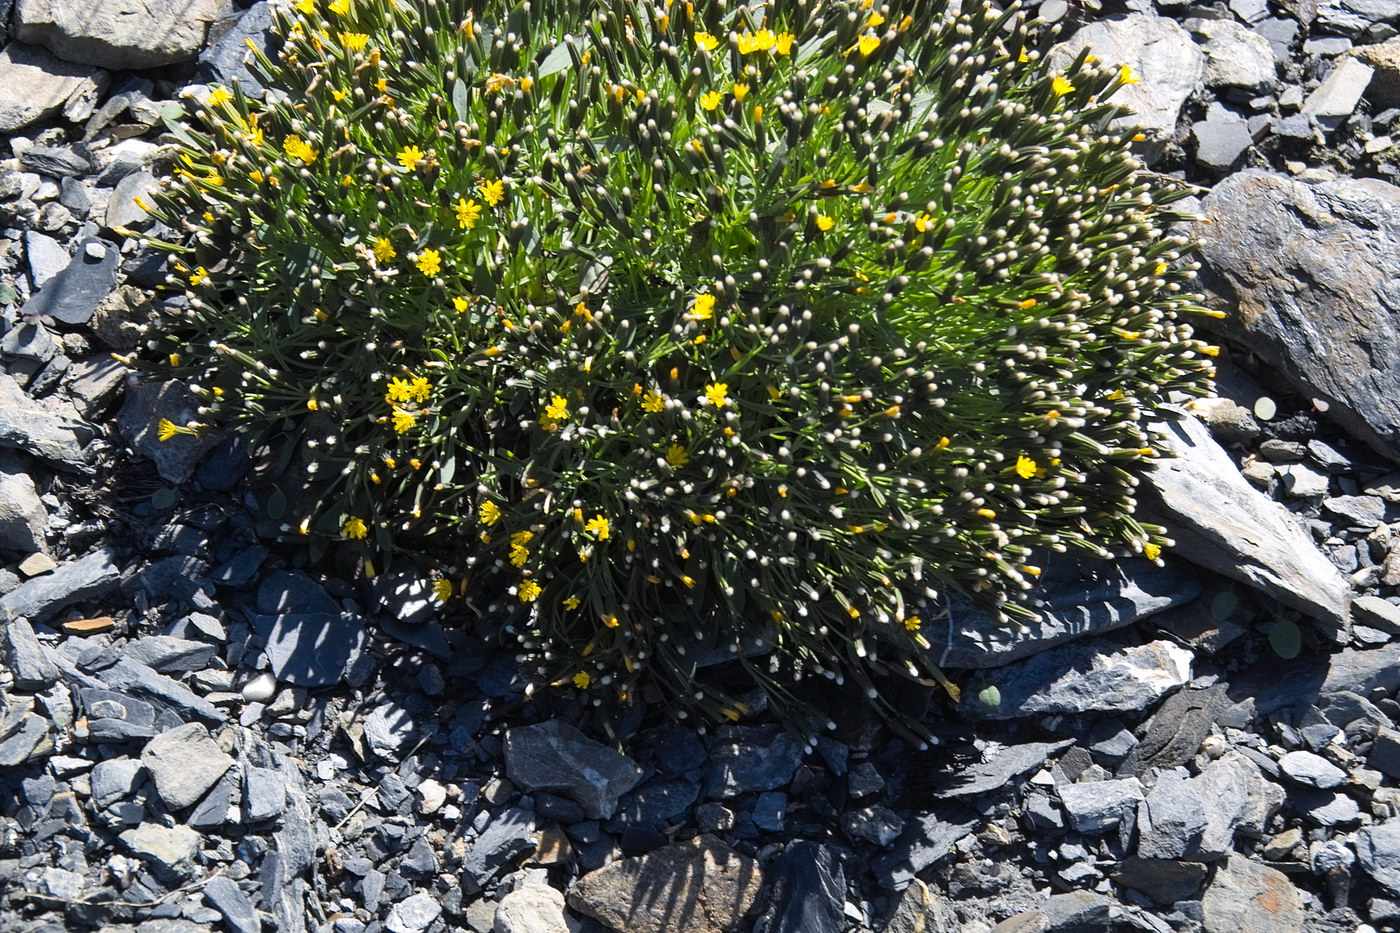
x,y
650,325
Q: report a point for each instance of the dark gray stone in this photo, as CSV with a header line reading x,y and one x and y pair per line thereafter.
x,y
23,517
1353,17
173,847
1171,819
878,825
286,591
57,161
749,759
1385,753
73,294
123,209
89,577
1081,598
167,654
1378,852
224,895
1235,57
146,405
1359,511
1083,676
32,670
1237,799
49,433
808,893
390,730
121,35
184,763
655,804
1000,765
1289,262
225,59
554,756
311,649
264,797
1311,770
1220,142
115,779
1095,807
507,835
1164,881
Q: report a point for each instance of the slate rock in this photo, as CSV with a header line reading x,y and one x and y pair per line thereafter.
x,y
24,741
876,824
74,293
1094,807
1081,598
1359,511
1291,263
224,895
23,517
413,914
311,649
1221,141
531,908
697,886
1324,808
554,756
57,161
124,206
119,34
1385,753
284,591
655,803
184,763
1378,852
168,654
1237,798
1353,17
1077,912
749,759
173,847
1089,675
48,432
1377,613
47,257
138,421
808,893
225,59
1247,897
1163,880
920,910
1220,522
1311,770
115,779
91,576
34,84
1384,57
507,835
264,797
1171,819
31,669
390,730
1235,56
1169,65
999,766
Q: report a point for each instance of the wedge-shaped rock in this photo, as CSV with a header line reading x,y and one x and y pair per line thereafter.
x,y
554,756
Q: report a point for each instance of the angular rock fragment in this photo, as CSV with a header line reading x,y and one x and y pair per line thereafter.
x,y
554,756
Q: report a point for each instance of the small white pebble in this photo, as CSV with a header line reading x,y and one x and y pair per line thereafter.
x,y
96,250
1213,745
260,688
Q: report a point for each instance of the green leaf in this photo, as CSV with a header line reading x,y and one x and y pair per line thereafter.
x,y
172,111
1286,639
276,505
1223,605
164,497
7,294
459,99
179,131
990,696
559,59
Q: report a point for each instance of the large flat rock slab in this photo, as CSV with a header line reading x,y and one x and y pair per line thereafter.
x,y
119,34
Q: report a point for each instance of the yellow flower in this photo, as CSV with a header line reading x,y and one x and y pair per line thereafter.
x,y
492,192
706,42
653,402
461,304
760,41
1151,551
519,554
528,591
468,213
313,405
354,528
398,390
704,307
384,250
923,223
219,95
298,148
557,409
912,623
1061,86
571,602
442,589
429,262
340,7
677,456
410,156
307,7
1126,76
420,389
598,527
353,41
1025,467
717,393
199,275
490,512
783,45
740,92
403,420
825,222
521,538
582,680
711,99
165,429
868,44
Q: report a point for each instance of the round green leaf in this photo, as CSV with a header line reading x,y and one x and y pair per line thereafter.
x,y
1286,639
164,497
1224,605
990,696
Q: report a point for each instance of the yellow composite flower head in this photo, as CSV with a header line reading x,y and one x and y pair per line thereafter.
x,y
403,420
410,156
717,394
220,95
582,680
354,528
1061,85
298,148
1025,467
492,192
353,41
165,429
528,591
825,222
676,456
868,44
1126,76
783,45
340,7
420,389
468,213
557,409
384,250
704,307
442,589
711,99
598,527
490,512
398,390
1151,551
706,42
429,262
653,402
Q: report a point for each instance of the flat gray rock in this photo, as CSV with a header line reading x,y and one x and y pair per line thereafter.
x,y
413,914
1081,597
38,598
139,419
749,759
51,434
173,847
1309,279
1224,524
1093,675
1171,819
1235,56
1337,96
1168,64
531,908
1378,851
1311,770
115,779
167,654
509,834
34,84
1247,897
184,762
1095,807
311,649
32,670
223,895
1352,17
698,886
73,294
119,34
554,756
23,517
999,767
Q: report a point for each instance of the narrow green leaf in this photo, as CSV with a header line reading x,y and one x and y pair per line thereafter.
x,y
459,99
